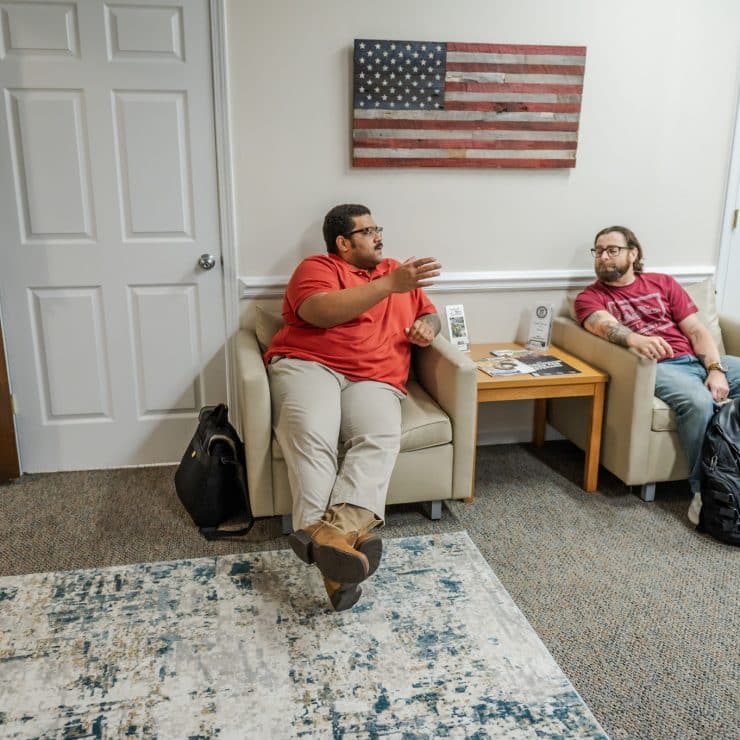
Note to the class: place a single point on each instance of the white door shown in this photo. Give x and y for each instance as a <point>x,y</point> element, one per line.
<point>108,196</point>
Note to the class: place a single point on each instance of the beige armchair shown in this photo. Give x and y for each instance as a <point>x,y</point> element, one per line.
<point>436,460</point>
<point>639,444</point>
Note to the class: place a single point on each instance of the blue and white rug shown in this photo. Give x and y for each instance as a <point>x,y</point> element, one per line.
<point>246,646</point>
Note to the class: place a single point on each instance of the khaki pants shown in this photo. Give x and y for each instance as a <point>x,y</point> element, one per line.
<point>315,411</point>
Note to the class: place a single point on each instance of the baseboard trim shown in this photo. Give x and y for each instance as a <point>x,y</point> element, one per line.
<point>486,282</point>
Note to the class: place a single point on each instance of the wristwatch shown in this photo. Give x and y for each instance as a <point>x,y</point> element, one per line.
<point>717,366</point>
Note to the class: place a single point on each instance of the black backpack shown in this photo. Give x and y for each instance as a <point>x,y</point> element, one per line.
<point>210,480</point>
<point>720,488</point>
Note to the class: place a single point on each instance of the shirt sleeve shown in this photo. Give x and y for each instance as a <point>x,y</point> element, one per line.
<point>425,306</point>
<point>679,300</point>
<point>587,302</point>
<point>313,275</point>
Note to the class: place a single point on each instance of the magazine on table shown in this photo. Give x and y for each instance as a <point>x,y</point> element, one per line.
<point>505,365</point>
<point>540,362</point>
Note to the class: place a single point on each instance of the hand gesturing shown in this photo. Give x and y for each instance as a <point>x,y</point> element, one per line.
<point>414,273</point>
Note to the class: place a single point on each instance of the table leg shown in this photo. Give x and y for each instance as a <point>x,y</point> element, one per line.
<point>471,498</point>
<point>538,427</point>
<point>593,450</point>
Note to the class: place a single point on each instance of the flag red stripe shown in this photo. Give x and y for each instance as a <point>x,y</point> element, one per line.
<point>579,51</point>
<point>461,144</point>
<point>409,123</point>
<point>513,107</point>
<point>461,162</point>
<point>547,69</point>
<point>513,87</point>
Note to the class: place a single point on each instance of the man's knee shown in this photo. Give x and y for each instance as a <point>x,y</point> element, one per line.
<point>702,405</point>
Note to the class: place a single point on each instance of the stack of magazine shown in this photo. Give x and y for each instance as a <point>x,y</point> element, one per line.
<point>523,361</point>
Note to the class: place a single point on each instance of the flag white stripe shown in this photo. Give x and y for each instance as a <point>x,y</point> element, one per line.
<point>493,58</point>
<point>362,153</point>
<point>462,115</point>
<point>502,77</point>
<point>512,97</point>
<point>420,133</point>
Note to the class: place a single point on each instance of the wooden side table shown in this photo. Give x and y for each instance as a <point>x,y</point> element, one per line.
<point>588,382</point>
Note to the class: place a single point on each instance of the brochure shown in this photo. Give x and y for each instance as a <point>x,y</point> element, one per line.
<point>541,363</point>
<point>507,365</point>
<point>458,329</point>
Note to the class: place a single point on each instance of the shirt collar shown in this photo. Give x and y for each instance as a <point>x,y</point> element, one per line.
<point>383,268</point>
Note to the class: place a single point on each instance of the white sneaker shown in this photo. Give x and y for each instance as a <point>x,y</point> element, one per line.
<point>695,509</point>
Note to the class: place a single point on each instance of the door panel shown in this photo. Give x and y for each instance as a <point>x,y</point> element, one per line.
<point>155,203</point>
<point>108,196</point>
<point>144,33</point>
<point>165,321</point>
<point>48,125</point>
<point>71,355</point>
<point>39,28</point>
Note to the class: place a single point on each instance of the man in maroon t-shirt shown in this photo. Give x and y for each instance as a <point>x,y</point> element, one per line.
<point>652,315</point>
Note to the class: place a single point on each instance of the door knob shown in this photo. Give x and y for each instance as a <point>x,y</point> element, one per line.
<point>207,261</point>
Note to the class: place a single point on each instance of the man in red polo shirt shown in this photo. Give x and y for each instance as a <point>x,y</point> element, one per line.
<point>337,372</point>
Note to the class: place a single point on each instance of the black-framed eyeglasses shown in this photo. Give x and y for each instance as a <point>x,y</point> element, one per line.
<point>611,251</point>
<point>367,231</point>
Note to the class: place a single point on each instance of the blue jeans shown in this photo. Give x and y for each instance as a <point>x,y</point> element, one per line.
<point>680,383</point>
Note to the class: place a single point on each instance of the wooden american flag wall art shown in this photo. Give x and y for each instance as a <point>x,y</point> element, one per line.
<point>437,104</point>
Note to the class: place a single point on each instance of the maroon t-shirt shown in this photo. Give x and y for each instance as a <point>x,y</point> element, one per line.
<point>653,305</point>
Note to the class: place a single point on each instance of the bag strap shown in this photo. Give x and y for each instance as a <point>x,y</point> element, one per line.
<point>216,437</point>
<point>214,533</point>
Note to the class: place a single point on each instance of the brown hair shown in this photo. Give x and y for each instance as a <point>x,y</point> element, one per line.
<point>631,240</point>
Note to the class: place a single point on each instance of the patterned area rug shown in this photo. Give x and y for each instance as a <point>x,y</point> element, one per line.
<point>246,646</point>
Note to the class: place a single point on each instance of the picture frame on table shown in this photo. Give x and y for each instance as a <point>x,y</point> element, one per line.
<point>540,327</point>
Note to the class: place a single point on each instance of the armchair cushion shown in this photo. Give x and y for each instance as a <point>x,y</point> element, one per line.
<point>267,325</point>
<point>703,295</point>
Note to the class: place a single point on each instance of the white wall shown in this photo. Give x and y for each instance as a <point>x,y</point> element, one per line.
<point>656,125</point>
<point>659,96</point>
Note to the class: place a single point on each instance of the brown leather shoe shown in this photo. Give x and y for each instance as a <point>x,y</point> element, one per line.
<point>333,552</point>
<point>342,595</point>
<point>370,545</point>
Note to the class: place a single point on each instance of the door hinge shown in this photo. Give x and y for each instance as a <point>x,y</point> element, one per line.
<point>13,405</point>
<point>734,218</point>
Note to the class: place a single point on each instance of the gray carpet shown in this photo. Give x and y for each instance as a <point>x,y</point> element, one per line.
<point>640,611</point>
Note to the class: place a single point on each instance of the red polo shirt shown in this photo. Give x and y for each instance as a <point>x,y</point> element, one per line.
<point>373,346</point>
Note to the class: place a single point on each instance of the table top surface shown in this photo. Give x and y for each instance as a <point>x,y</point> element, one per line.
<point>586,373</point>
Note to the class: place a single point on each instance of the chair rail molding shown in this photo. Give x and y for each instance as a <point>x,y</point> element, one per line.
<point>486,282</point>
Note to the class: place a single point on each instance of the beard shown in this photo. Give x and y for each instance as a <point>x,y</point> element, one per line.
<point>610,274</point>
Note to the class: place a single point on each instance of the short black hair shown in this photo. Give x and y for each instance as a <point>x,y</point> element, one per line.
<point>631,239</point>
<point>339,222</point>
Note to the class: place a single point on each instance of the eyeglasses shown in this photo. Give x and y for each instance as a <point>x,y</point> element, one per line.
<point>368,231</point>
<point>611,251</point>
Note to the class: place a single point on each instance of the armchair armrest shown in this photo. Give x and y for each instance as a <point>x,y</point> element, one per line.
<point>449,377</point>
<point>256,421</point>
<point>629,396</point>
<point>730,326</point>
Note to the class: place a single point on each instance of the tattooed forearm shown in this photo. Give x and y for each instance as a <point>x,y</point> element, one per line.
<point>617,333</point>
<point>433,320</point>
